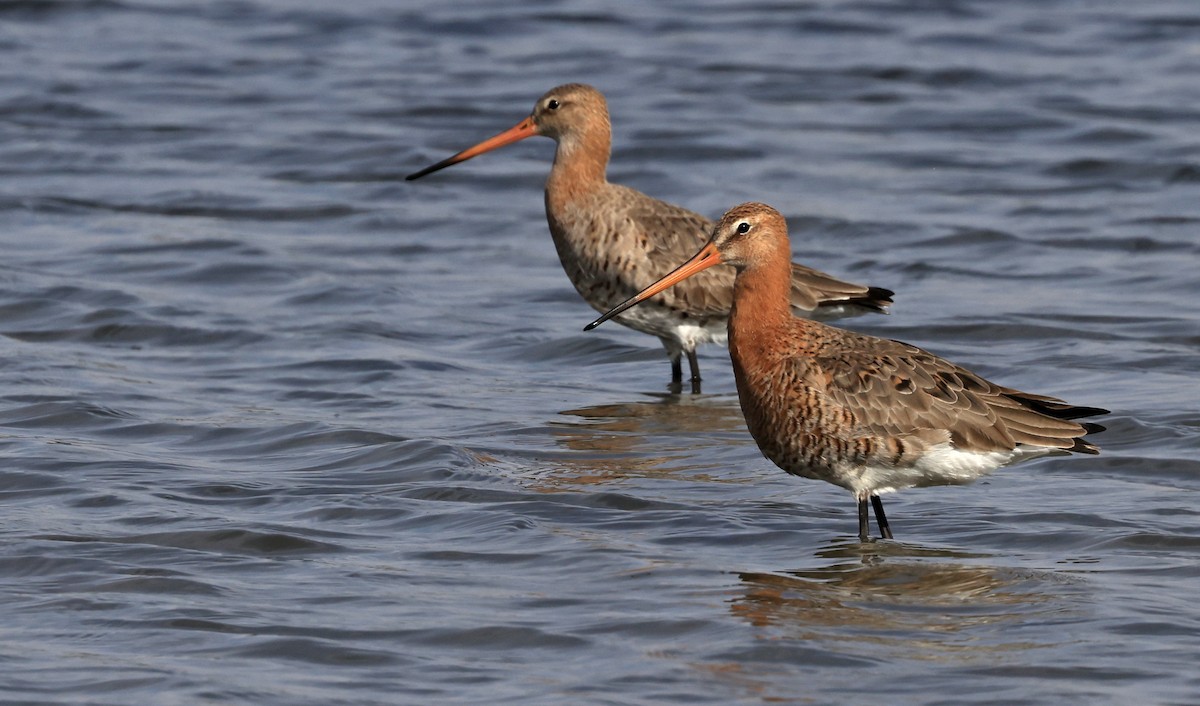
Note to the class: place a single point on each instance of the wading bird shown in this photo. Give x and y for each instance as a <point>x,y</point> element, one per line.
<point>613,240</point>
<point>867,414</point>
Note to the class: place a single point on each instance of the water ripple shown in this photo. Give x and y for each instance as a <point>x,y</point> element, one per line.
<point>279,427</point>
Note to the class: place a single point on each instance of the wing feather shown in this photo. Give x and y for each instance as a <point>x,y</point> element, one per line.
<point>894,390</point>
<point>674,234</point>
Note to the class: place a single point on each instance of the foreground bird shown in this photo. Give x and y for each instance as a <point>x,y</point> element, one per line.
<point>613,240</point>
<point>867,414</point>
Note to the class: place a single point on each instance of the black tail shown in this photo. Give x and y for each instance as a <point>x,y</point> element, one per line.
<point>1054,407</point>
<point>875,299</point>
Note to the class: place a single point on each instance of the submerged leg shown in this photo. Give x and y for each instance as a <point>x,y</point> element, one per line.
<point>694,364</point>
<point>675,353</point>
<point>864,517</point>
<point>676,385</point>
<point>881,519</point>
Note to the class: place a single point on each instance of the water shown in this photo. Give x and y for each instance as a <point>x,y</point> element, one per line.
<point>278,427</point>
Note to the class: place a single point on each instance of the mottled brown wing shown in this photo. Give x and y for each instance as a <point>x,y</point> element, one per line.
<point>676,234</point>
<point>813,289</point>
<point>895,389</point>
<point>673,236</point>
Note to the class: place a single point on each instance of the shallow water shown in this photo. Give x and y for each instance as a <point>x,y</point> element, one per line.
<point>278,427</point>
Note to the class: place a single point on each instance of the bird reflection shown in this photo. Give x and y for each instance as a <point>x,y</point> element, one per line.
<point>895,600</point>
<point>662,435</point>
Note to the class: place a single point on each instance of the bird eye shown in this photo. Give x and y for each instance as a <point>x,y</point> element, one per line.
<point>552,104</point>
<point>743,227</point>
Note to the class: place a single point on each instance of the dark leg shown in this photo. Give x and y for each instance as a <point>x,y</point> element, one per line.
<point>676,385</point>
<point>880,518</point>
<point>694,364</point>
<point>864,517</point>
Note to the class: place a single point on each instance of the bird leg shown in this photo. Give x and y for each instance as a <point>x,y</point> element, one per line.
<point>676,385</point>
<point>880,519</point>
<point>694,364</point>
<point>864,519</point>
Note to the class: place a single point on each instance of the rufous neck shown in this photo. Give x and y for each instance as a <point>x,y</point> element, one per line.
<point>580,162</point>
<point>761,301</point>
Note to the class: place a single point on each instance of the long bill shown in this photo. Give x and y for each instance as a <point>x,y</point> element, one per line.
<point>706,258</point>
<point>516,133</point>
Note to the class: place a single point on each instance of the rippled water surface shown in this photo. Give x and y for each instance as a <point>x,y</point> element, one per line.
<point>279,427</point>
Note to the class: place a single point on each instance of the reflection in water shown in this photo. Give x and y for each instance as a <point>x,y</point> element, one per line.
<point>654,438</point>
<point>703,414</point>
<point>888,600</point>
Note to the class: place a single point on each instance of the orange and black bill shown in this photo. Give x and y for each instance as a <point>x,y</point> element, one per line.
<point>706,258</point>
<point>516,133</point>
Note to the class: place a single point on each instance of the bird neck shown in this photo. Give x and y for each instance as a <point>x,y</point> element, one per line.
<point>761,312</point>
<point>580,165</point>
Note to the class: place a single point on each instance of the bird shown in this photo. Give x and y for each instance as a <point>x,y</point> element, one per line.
<point>867,414</point>
<point>613,240</point>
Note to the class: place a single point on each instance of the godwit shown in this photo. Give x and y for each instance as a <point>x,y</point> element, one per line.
<point>613,240</point>
<point>866,414</point>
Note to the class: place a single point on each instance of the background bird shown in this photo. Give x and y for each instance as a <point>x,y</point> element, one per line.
<point>613,240</point>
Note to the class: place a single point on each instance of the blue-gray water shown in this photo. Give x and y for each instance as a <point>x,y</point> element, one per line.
<point>277,427</point>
